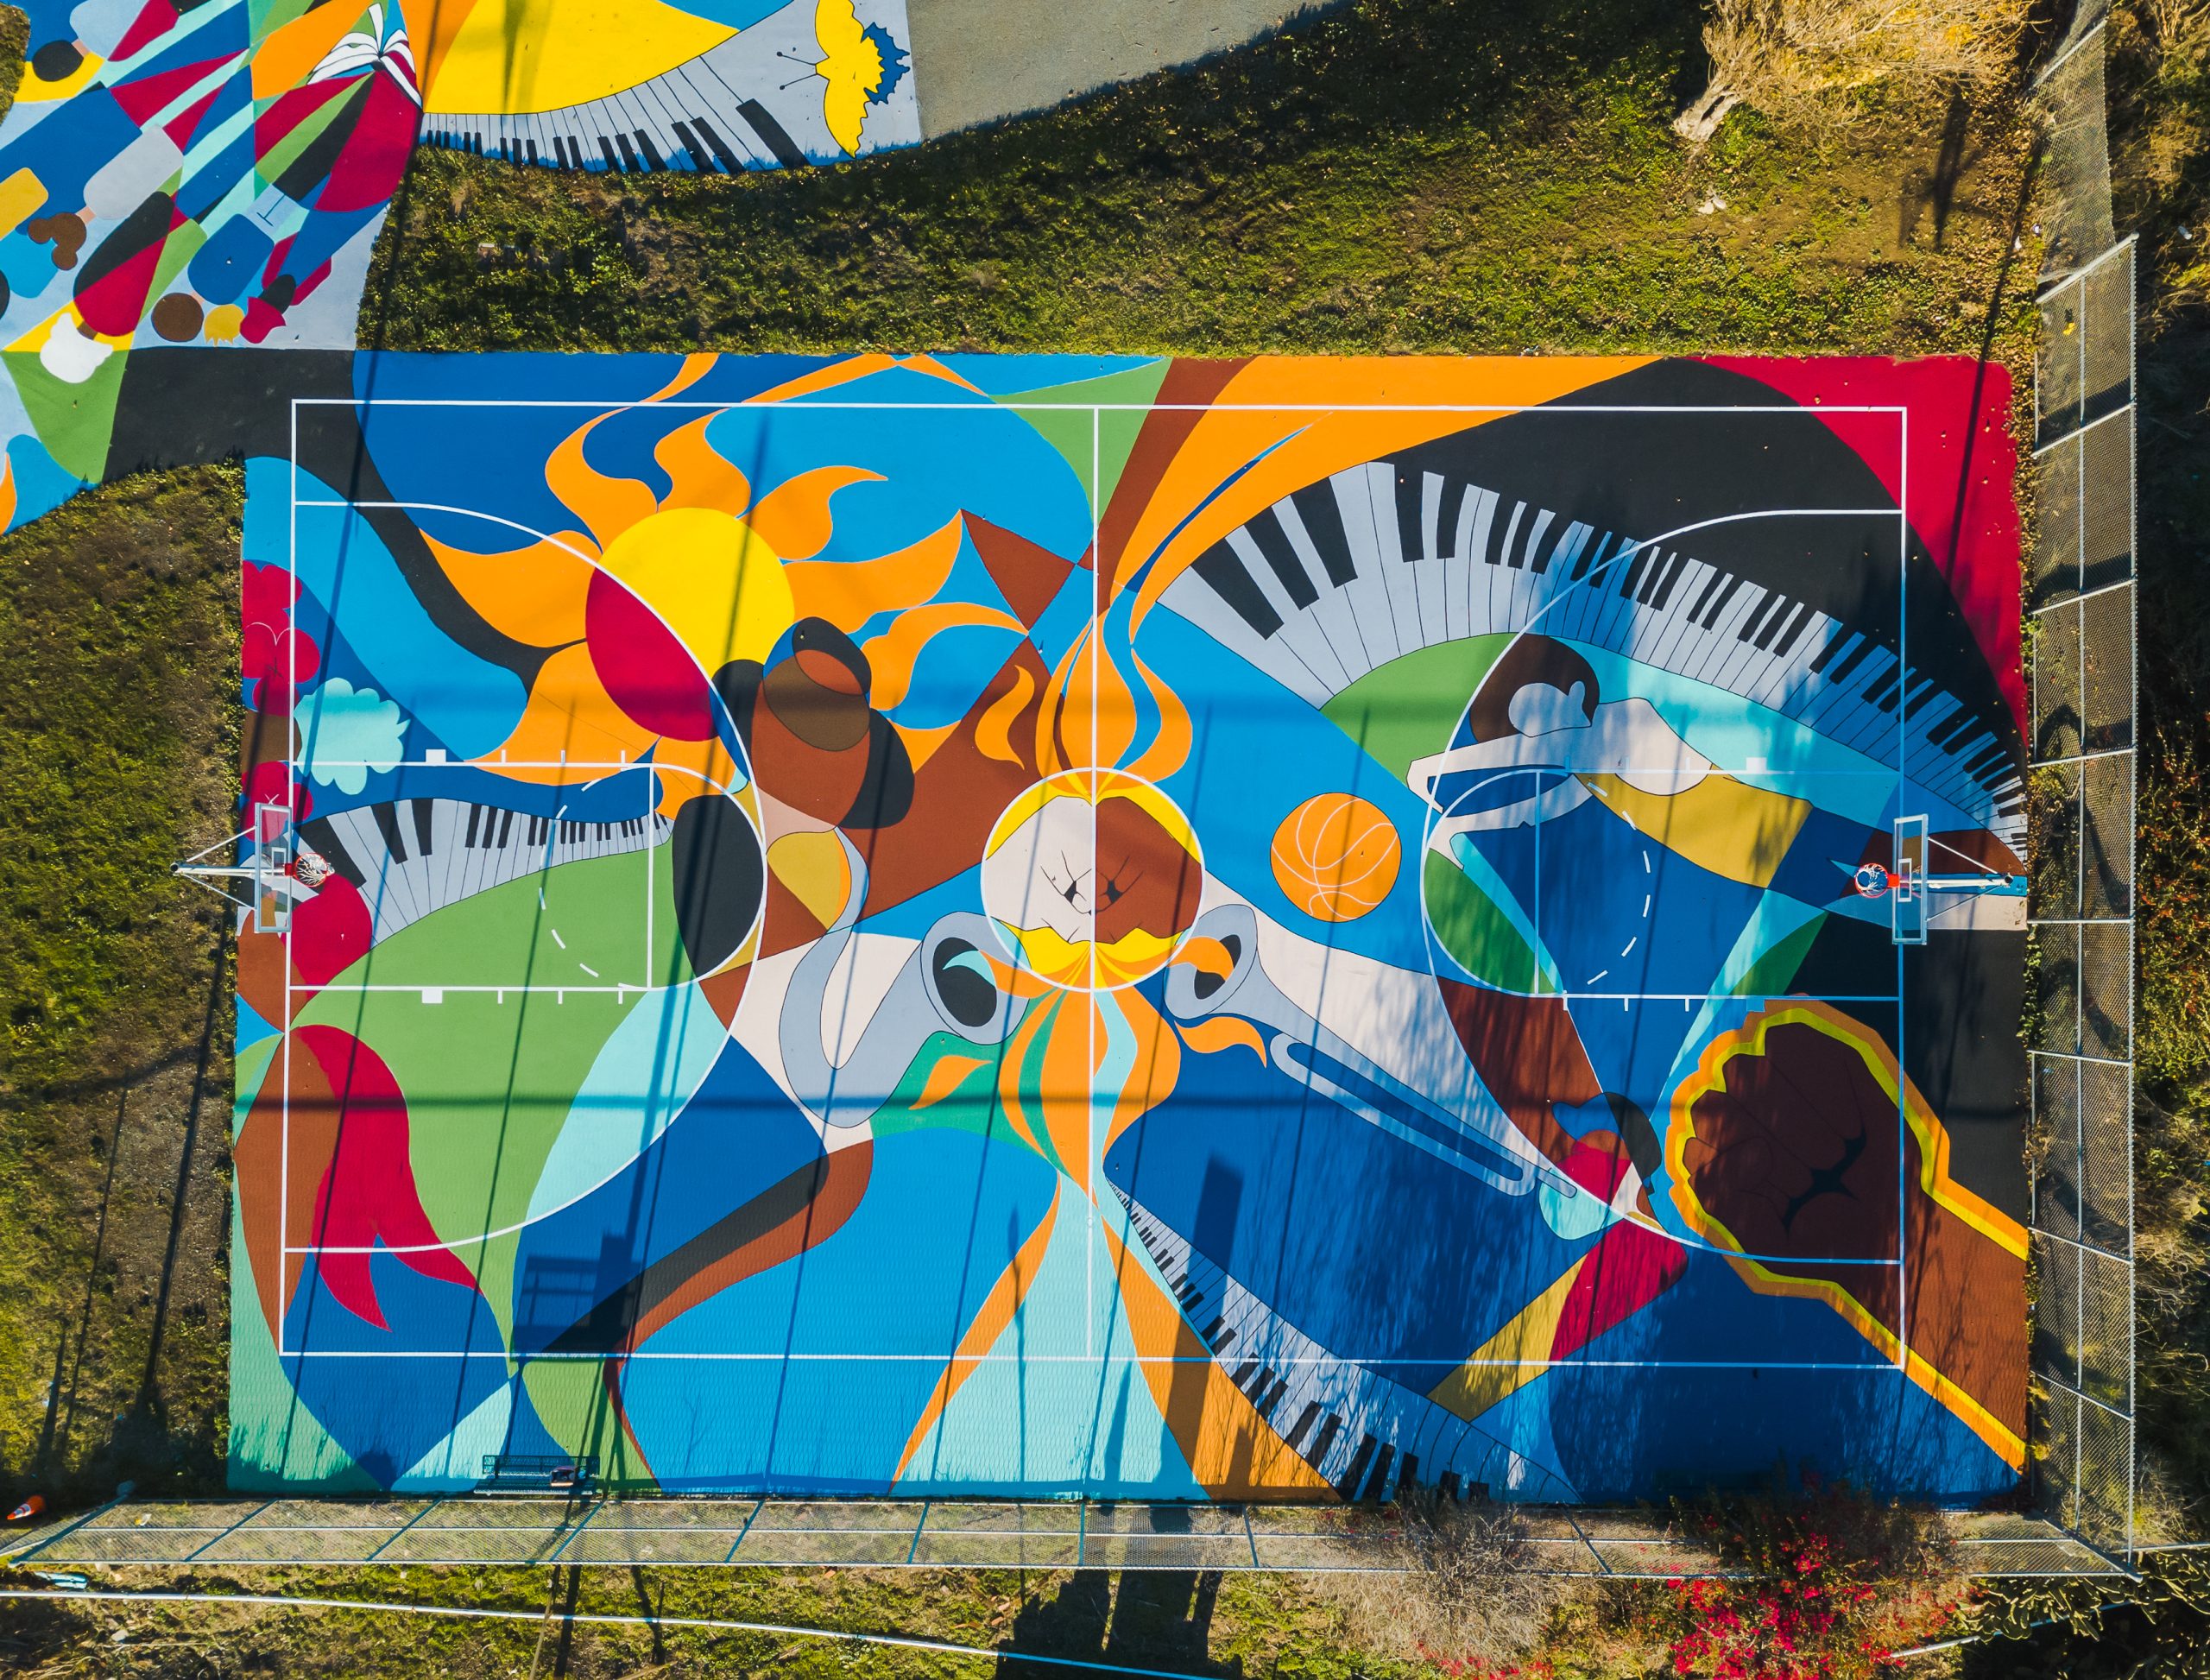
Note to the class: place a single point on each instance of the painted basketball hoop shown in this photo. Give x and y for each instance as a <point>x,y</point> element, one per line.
<point>1873,879</point>
<point>264,867</point>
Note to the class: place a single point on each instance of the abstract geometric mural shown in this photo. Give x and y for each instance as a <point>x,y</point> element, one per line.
<point>1132,926</point>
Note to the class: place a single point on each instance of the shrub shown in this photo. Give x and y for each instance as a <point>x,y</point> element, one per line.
<point>1805,62</point>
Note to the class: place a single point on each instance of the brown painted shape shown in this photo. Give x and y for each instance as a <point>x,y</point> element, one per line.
<point>269,1209</point>
<point>1165,431</point>
<point>1147,881</point>
<point>1028,575</point>
<point>1528,1053</point>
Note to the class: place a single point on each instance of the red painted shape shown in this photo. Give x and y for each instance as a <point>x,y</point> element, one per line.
<point>1630,1267</point>
<point>1961,462</point>
<point>368,1192</point>
<point>648,672</point>
<point>331,932</point>
<point>146,97</point>
<point>369,166</point>
<point>115,302</point>
<point>156,21</point>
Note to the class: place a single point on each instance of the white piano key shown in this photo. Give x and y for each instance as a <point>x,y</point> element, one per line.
<point>1298,630</point>
<point>1368,590</point>
<point>1476,518</point>
<point>1396,567</point>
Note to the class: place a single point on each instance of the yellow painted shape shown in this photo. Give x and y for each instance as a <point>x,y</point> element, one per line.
<point>713,580</point>
<point>20,194</point>
<point>32,91</point>
<point>535,55</point>
<point>812,867</point>
<point>1511,1359</point>
<point>1720,824</point>
<point>851,65</point>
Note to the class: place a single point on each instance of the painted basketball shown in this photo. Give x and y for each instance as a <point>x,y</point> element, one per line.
<point>1335,856</point>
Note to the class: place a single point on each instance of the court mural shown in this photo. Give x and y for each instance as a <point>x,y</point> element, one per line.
<point>1186,929</point>
<point>216,174</point>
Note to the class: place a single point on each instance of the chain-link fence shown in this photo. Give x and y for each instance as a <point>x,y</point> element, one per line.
<point>1630,1545</point>
<point>2081,605</point>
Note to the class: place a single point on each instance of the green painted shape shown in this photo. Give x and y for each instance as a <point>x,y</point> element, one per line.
<point>1773,973</point>
<point>1409,708</point>
<point>177,250</point>
<point>1095,442</point>
<point>275,1442</point>
<point>1475,930</point>
<point>969,1105</point>
<point>571,1402</point>
<point>249,1068</point>
<point>74,421</point>
<point>489,1082</point>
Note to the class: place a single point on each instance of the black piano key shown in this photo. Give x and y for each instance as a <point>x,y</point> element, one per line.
<point>533,151</point>
<point>1303,1423</point>
<point>1780,621</point>
<point>1660,570</point>
<point>475,817</point>
<point>1790,638</point>
<point>606,147</point>
<point>424,810</point>
<point>320,834</point>
<point>1248,1369</point>
<point>1221,567</point>
<point>1891,690</point>
<point>1591,558</point>
<point>1449,506</point>
<point>1412,539</point>
<point>1761,617</point>
<point>1981,764</point>
<point>1712,585</point>
<point>1377,1486</point>
<point>1950,733</point>
<point>1447,1485</point>
<point>1407,1473</point>
<point>785,148</point>
<point>1329,1430</point>
<point>628,153</point>
<point>653,159</point>
<point>1709,616</point>
<point>1347,1488</point>
<point>1838,655</point>
<point>1323,523</point>
<point>700,157</point>
<point>1266,530</point>
<point>1631,575</point>
<point>387,823</point>
<point>723,156</point>
<point>1676,568</point>
<point>1219,1338</point>
<point>506,827</point>
<point>1272,1397</point>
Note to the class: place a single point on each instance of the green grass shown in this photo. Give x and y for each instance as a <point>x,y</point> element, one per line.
<point>118,634</point>
<point>1401,176</point>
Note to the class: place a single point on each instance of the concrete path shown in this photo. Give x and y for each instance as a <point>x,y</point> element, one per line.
<point>979,61</point>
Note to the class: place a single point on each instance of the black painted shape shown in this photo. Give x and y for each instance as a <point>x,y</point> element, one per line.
<point>777,136</point>
<point>719,877</point>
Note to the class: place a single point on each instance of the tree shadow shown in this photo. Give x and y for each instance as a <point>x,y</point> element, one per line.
<point>1156,1618</point>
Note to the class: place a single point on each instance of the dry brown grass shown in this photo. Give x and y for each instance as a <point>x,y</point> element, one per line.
<point>1802,63</point>
<point>1461,1587</point>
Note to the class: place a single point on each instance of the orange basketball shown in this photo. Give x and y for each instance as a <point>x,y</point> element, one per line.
<point>1335,856</point>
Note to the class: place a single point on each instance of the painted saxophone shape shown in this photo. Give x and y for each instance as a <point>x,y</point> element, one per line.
<point>944,986</point>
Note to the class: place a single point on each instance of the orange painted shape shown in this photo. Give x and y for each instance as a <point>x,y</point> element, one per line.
<point>1293,420</point>
<point>1230,1450</point>
<point>850,592</point>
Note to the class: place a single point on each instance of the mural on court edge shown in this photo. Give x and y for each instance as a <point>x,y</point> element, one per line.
<point>216,173</point>
<point>1165,928</point>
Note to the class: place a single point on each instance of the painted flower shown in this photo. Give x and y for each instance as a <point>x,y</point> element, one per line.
<point>346,733</point>
<point>274,654</point>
